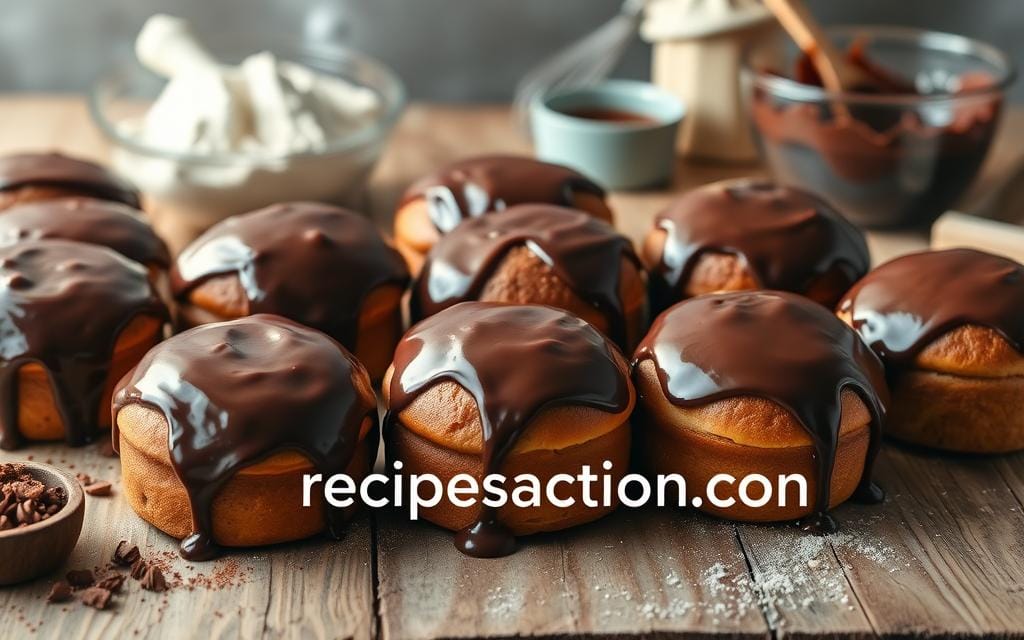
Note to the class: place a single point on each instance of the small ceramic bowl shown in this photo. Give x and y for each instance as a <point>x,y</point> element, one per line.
<point>39,548</point>
<point>621,133</point>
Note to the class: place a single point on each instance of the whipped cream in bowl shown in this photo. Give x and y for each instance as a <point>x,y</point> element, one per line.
<point>209,130</point>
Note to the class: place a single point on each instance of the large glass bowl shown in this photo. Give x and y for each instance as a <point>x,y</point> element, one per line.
<point>203,188</point>
<point>885,160</point>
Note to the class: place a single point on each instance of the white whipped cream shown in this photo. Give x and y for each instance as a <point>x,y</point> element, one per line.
<point>686,19</point>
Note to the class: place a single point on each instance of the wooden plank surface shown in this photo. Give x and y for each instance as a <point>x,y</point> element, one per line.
<point>943,556</point>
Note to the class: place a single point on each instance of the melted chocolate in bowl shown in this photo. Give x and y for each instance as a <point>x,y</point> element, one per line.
<point>63,306</point>
<point>787,238</point>
<point>516,361</point>
<point>236,393</point>
<point>904,305</point>
<point>56,170</point>
<point>777,346</point>
<point>476,186</point>
<point>311,262</point>
<point>110,224</point>
<point>583,252</point>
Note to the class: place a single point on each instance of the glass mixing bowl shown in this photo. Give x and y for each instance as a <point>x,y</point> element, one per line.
<point>202,188</point>
<point>885,160</point>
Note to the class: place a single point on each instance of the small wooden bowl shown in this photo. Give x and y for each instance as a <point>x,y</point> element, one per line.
<point>39,548</point>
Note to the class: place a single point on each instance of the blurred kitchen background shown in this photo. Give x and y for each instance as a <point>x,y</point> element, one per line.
<point>445,50</point>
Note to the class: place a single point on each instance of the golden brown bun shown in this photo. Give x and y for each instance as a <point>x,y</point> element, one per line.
<point>522,277</point>
<point>742,436</point>
<point>261,504</point>
<point>440,433</point>
<point>38,416</point>
<point>35,193</point>
<point>716,272</point>
<point>415,233</point>
<point>223,298</point>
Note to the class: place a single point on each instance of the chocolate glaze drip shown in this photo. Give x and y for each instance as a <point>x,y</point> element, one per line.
<point>236,393</point>
<point>63,306</point>
<point>905,304</point>
<point>311,262</point>
<point>110,224</point>
<point>470,188</point>
<point>778,346</point>
<point>56,170</point>
<point>516,361</point>
<point>584,252</point>
<point>786,237</point>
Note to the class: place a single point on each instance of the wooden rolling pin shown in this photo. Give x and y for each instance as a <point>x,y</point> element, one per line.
<point>955,229</point>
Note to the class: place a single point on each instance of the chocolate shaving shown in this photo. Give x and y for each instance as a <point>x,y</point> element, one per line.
<point>138,569</point>
<point>59,592</point>
<point>125,555</point>
<point>153,579</point>
<point>96,597</point>
<point>100,488</point>
<point>111,583</point>
<point>80,578</point>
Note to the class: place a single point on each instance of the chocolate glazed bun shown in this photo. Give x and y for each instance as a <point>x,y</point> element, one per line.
<point>437,203</point>
<point>752,234</point>
<point>483,388</point>
<point>949,326</point>
<point>29,177</point>
<point>761,382</point>
<point>217,426</point>
<point>541,254</point>
<point>75,317</point>
<point>101,222</point>
<point>317,264</point>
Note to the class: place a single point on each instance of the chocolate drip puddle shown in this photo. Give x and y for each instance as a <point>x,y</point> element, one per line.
<point>583,252</point>
<point>905,304</point>
<point>473,187</point>
<point>310,262</point>
<point>236,393</point>
<point>780,347</point>
<point>63,305</point>
<point>516,361</point>
<point>787,238</point>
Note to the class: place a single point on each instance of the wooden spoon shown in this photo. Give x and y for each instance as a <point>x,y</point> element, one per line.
<point>837,73</point>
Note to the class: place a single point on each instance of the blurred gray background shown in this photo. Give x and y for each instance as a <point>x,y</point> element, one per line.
<point>446,50</point>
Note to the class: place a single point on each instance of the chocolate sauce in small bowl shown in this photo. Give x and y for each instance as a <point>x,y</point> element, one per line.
<point>57,170</point>
<point>584,252</point>
<point>516,361</point>
<point>786,237</point>
<point>236,393</point>
<point>311,262</point>
<point>103,222</point>
<point>781,347</point>
<point>905,304</point>
<point>63,305</point>
<point>610,115</point>
<point>475,186</point>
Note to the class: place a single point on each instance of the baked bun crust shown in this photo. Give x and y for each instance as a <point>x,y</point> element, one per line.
<point>742,436</point>
<point>261,504</point>
<point>440,432</point>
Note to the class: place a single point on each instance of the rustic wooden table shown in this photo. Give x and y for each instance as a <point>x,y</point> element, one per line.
<point>943,556</point>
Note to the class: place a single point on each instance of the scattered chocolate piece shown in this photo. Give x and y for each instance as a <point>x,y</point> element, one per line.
<point>111,583</point>
<point>107,449</point>
<point>83,478</point>
<point>138,569</point>
<point>98,488</point>
<point>153,579</point>
<point>59,592</point>
<point>126,555</point>
<point>96,597</point>
<point>80,578</point>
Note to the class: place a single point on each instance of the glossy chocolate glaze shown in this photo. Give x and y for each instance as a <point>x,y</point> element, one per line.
<point>470,188</point>
<point>584,252</point>
<point>106,223</point>
<point>905,304</point>
<point>236,393</point>
<point>786,237</point>
<point>63,305</point>
<point>313,263</point>
<point>781,347</point>
<point>57,170</point>
<point>516,361</point>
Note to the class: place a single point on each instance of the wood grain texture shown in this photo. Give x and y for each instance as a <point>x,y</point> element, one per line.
<point>943,555</point>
